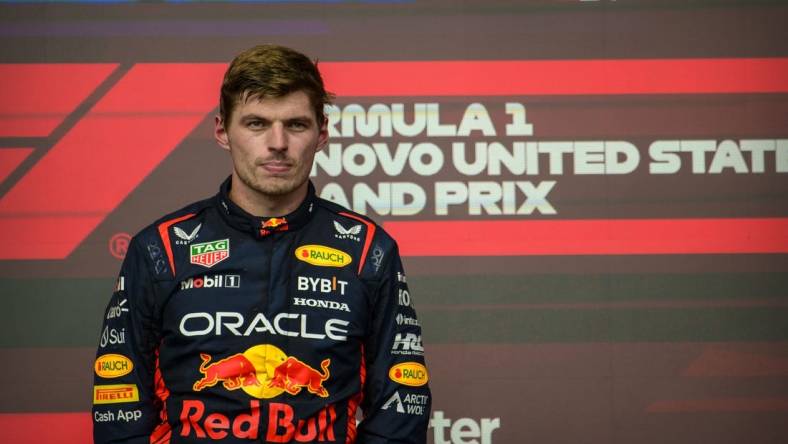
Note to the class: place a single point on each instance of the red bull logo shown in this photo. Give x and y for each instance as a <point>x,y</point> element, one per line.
<point>233,372</point>
<point>293,375</point>
<point>272,225</point>
<point>274,222</point>
<point>282,424</point>
<point>263,371</point>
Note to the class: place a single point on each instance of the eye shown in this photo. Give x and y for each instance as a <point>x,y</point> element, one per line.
<point>254,124</point>
<point>298,125</point>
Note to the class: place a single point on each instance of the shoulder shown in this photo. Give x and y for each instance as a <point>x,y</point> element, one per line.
<point>349,220</point>
<point>377,246</point>
<point>154,241</point>
<point>192,211</point>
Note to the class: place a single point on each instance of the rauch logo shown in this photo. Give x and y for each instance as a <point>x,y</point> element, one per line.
<point>322,256</point>
<point>409,373</point>
<point>113,366</point>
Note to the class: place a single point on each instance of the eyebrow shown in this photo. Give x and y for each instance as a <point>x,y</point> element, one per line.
<point>253,116</point>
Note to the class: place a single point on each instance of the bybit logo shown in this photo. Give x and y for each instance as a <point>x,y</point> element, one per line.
<point>321,285</point>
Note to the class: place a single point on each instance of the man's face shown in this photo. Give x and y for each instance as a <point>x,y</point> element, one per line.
<point>272,142</point>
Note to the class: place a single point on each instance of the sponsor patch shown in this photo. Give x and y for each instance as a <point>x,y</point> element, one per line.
<point>212,281</point>
<point>120,284</point>
<point>403,297</point>
<point>120,416</point>
<point>113,366</point>
<point>115,393</point>
<point>283,423</point>
<point>321,285</point>
<point>322,256</point>
<point>409,373</point>
<point>156,257</point>
<point>409,344</point>
<point>377,257</point>
<point>111,336</point>
<point>349,233</point>
<point>407,320</point>
<point>285,324</point>
<point>208,254</point>
<point>186,237</point>
<point>274,222</point>
<point>412,404</point>
<point>273,225</point>
<point>319,303</point>
<point>117,310</point>
<point>263,371</point>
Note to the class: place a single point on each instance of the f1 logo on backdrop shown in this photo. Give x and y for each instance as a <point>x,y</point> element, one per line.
<point>76,181</point>
<point>102,157</point>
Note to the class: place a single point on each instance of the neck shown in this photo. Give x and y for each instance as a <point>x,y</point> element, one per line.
<point>265,205</point>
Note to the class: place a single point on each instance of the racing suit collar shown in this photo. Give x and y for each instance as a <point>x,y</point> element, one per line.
<point>262,227</point>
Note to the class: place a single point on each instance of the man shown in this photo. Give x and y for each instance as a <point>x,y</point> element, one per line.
<point>262,314</point>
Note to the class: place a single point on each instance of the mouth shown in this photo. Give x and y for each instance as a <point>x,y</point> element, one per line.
<point>277,167</point>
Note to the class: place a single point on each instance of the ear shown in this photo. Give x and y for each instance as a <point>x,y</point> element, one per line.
<point>220,133</point>
<point>322,136</point>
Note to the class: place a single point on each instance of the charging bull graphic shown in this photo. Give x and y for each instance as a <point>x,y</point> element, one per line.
<point>234,372</point>
<point>263,371</point>
<point>293,375</point>
<point>272,225</point>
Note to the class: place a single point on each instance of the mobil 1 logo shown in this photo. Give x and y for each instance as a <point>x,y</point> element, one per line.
<point>212,281</point>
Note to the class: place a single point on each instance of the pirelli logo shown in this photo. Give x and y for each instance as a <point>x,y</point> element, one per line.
<point>115,393</point>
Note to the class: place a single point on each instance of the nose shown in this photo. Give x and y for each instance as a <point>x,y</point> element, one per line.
<point>277,137</point>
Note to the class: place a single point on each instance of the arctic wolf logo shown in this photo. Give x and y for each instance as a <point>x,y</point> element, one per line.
<point>350,233</point>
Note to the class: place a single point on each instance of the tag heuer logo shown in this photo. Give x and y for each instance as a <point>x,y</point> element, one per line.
<point>211,253</point>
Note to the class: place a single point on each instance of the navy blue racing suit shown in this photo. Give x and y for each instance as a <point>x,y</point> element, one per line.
<point>232,328</point>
